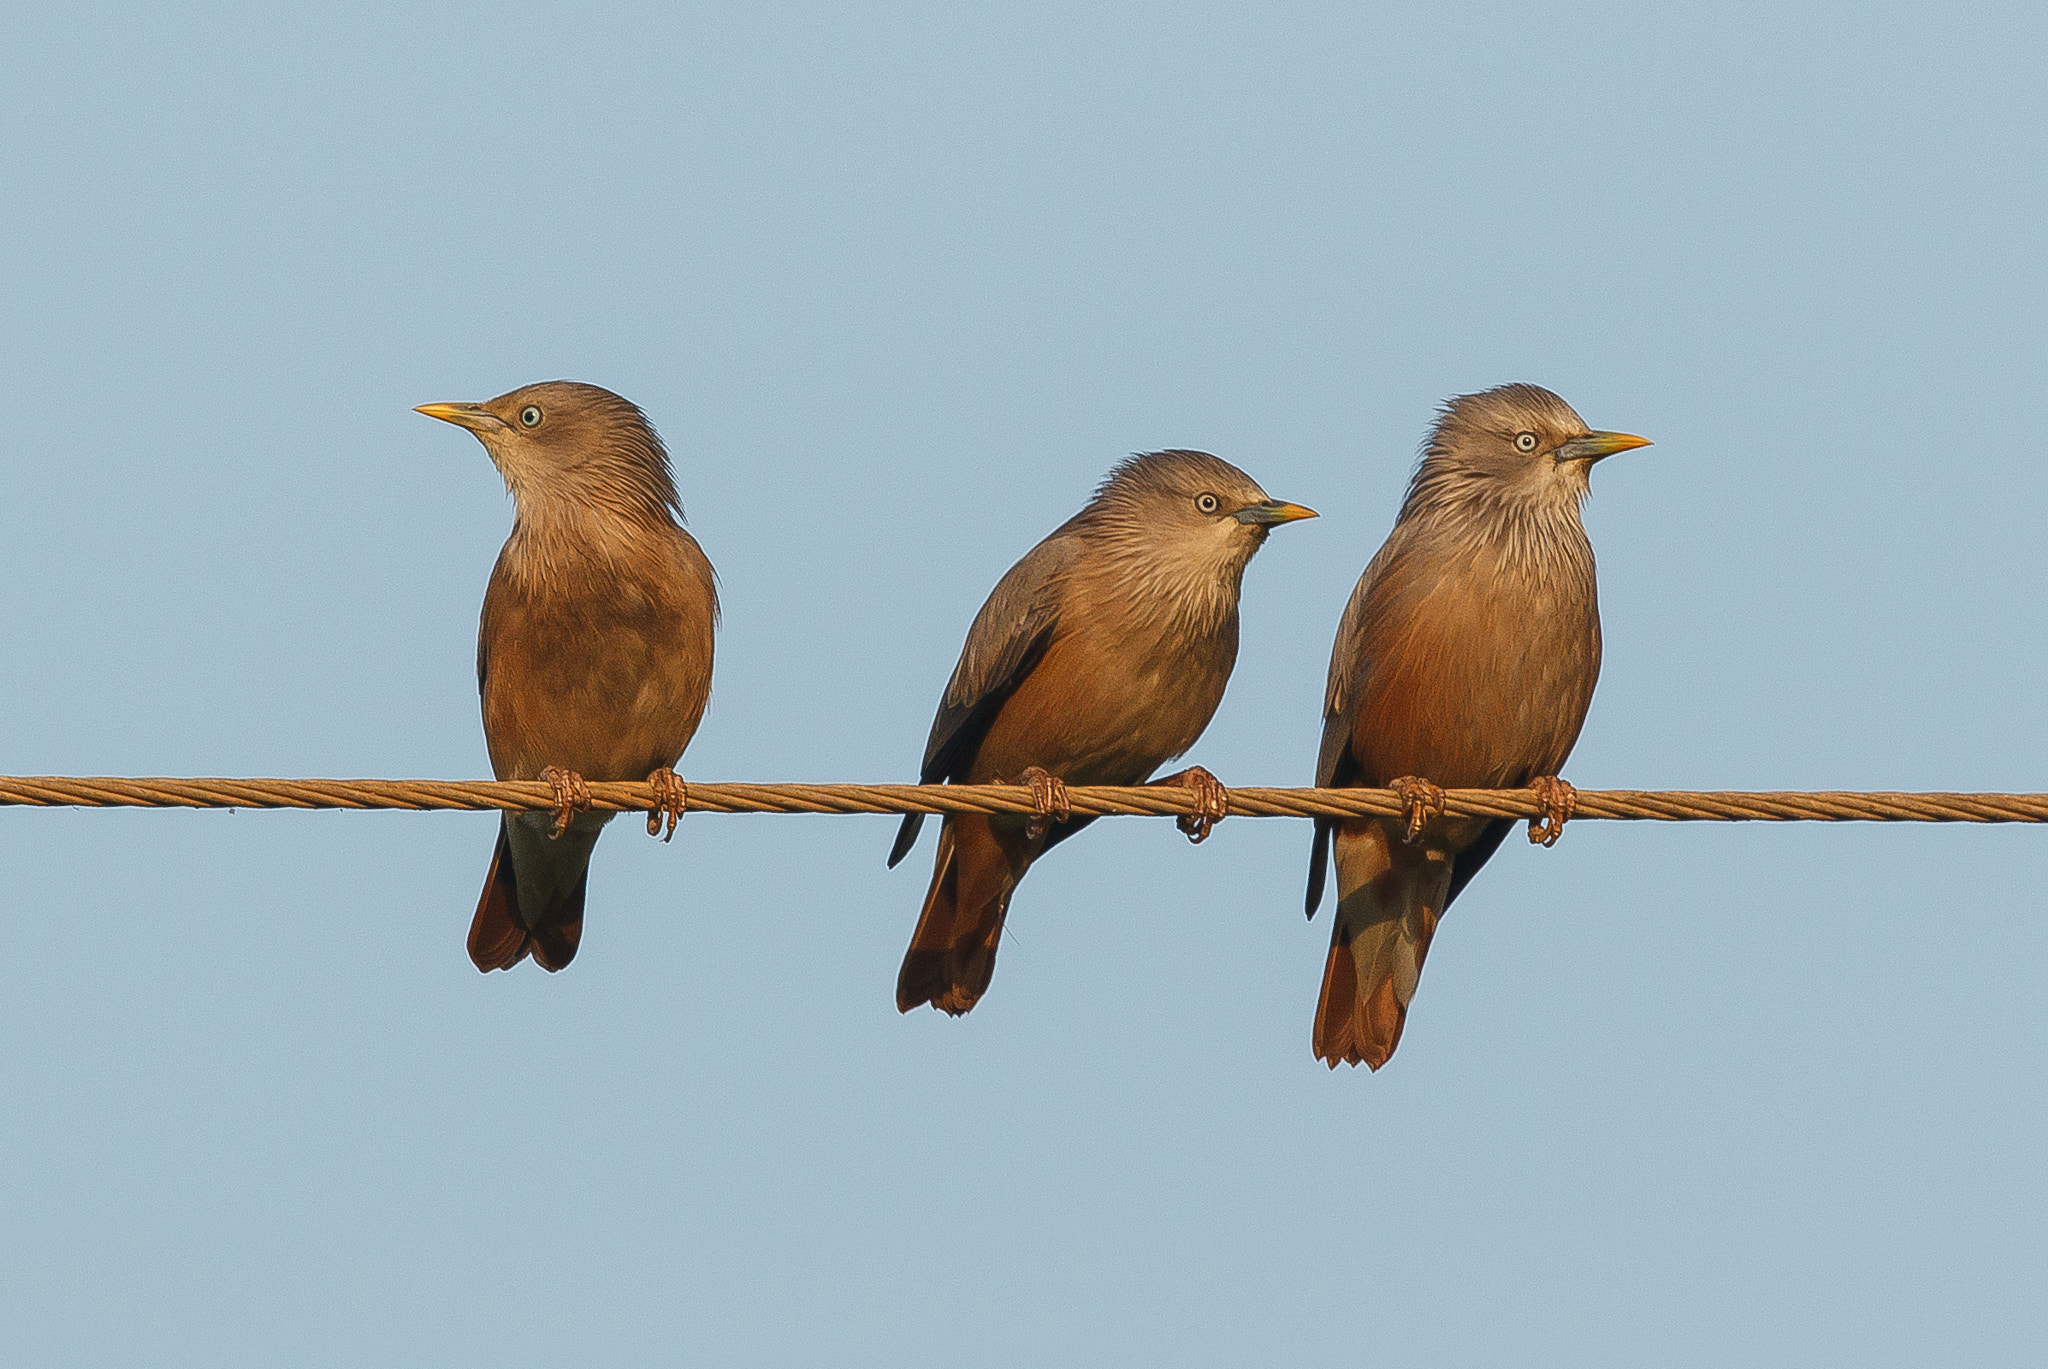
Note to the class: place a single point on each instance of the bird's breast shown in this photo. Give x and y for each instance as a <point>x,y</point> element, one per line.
<point>1477,672</point>
<point>605,672</point>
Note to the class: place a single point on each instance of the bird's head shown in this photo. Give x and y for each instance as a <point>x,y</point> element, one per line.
<point>1201,505</point>
<point>1517,443</point>
<point>565,443</point>
<point>1186,520</point>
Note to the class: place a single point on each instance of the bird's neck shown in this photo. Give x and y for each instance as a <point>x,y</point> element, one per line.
<point>561,544</point>
<point>1536,530</point>
<point>1162,585</point>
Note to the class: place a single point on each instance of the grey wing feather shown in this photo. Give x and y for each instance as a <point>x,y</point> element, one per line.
<point>1343,673</point>
<point>1331,756</point>
<point>1009,635</point>
<point>1008,638</point>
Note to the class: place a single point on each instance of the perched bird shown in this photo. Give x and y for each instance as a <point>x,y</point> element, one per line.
<point>594,652</point>
<point>1466,658</point>
<point>1099,657</point>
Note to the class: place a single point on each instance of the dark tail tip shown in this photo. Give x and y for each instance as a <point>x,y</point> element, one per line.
<point>1318,868</point>
<point>497,938</point>
<point>906,837</point>
<point>936,978</point>
<point>554,946</point>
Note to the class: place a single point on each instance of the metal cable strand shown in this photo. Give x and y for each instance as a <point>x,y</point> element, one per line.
<point>1164,801</point>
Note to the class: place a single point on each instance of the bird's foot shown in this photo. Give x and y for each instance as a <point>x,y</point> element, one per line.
<point>1212,802</point>
<point>671,801</point>
<point>572,796</point>
<point>1559,801</point>
<point>1048,800</point>
<point>1420,801</point>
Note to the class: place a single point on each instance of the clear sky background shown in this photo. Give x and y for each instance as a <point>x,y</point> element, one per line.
<point>898,284</point>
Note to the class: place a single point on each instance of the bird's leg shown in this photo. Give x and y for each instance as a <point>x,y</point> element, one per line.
<point>1212,802</point>
<point>1559,801</point>
<point>671,801</point>
<point>572,796</point>
<point>1420,801</point>
<point>1048,799</point>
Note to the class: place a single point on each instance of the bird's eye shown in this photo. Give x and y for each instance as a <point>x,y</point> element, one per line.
<point>1525,442</point>
<point>530,415</point>
<point>1208,503</point>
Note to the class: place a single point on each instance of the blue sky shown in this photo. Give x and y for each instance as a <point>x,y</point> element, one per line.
<point>898,284</point>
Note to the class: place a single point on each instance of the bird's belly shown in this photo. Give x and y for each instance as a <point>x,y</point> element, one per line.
<point>612,703</point>
<point>1103,713</point>
<point>1482,704</point>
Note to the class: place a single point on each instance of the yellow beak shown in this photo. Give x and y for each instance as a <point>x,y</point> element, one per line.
<point>474,417</point>
<point>1593,446</point>
<point>1273,512</point>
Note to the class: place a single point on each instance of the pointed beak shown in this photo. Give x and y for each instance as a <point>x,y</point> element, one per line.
<point>1593,446</point>
<point>1272,513</point>
<point>474,417</point>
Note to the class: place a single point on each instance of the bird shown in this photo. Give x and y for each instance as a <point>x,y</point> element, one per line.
<point>1466,658</point>
<point>594,648</point>
<point>1098,657</point>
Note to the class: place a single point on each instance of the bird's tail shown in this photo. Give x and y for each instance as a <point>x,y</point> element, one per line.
<point>952,954</point>
<point>1389,899</point>
<point>499,936</point>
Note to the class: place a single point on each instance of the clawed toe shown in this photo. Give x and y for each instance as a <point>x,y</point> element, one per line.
<point>1048,800</point>
<point>1212,802</point>
<point>572,796</point>
<point>1559,802</point>
<point>671,801</point>
<point>1420,801</point>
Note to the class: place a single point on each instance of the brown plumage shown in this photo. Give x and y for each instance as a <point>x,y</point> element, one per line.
<point>1099,657</point>
<point>1466,657</point>
<point>594,649</point>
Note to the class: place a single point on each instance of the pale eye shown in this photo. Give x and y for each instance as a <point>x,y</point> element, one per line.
<point>1208,503</point>
<point>530,415</point>
<point>1525,442</point>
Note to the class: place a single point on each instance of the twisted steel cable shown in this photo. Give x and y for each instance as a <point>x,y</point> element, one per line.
<point>1637,805</point>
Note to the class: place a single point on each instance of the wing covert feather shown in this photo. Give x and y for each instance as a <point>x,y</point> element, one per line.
<point>1334,764</point>
<point>1345,667</point>
<point>1009,635</point>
